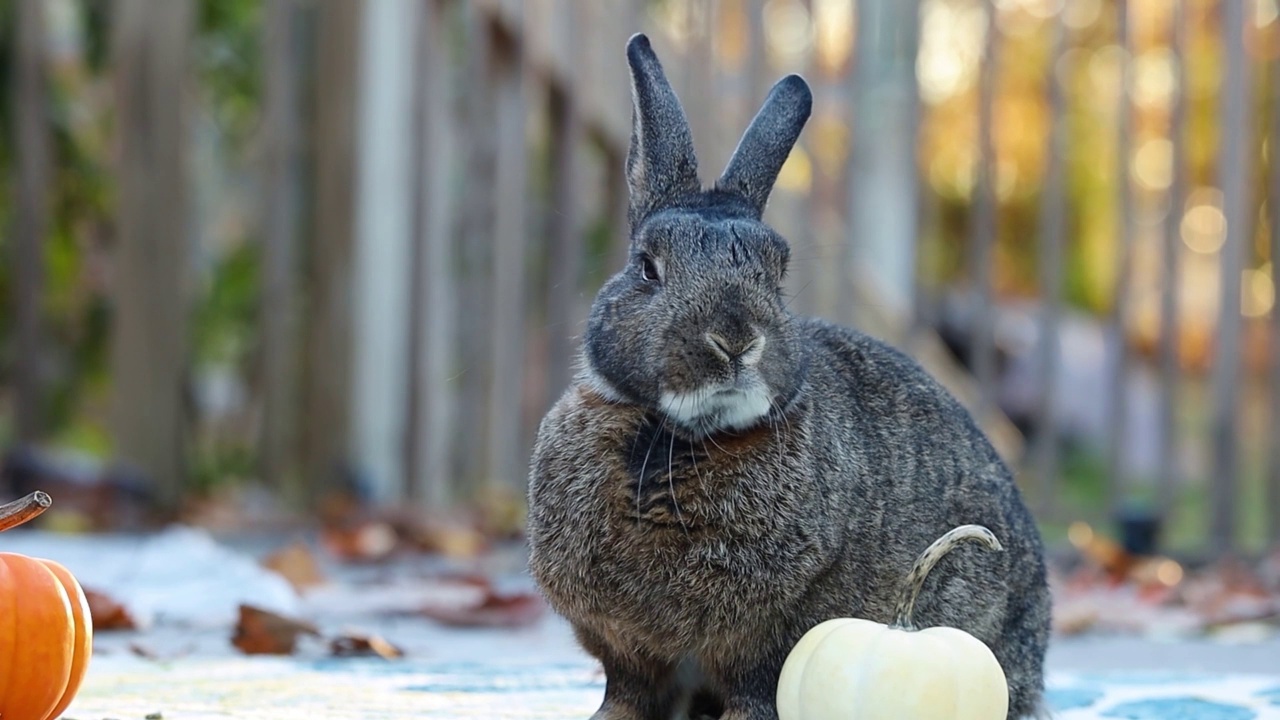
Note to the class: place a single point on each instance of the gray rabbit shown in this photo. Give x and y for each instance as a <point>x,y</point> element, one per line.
<point>723,475</point>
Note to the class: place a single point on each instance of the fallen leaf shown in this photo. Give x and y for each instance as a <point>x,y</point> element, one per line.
<point>143,651</point>
<point>296,564</point>
<point>451,539</point>
<point>475,580</point>
<point>355,645</point>
<point>494,610</point>
<point>262,632</point>
<point>106,613</point>
<point>362,543</point>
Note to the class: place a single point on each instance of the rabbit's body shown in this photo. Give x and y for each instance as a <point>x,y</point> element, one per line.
<point>723,476</point>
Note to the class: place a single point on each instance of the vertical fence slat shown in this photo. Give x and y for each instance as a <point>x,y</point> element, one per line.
<point>1234,173</point>
<point>281,206</point>
<point>149,349</point>
<point>327,379</point>
<point>757,70</point>
<point>475,251</point>
<point>985,225</point>
<point>1273,220</point>
<point>1167,448</point>
<point>1117,337</point>
<point>565,231</point>
<point>433,291</point>
<point>618,197</point>
<point>506,386</point>
<point>1052,232</point>
<point>32,148</point>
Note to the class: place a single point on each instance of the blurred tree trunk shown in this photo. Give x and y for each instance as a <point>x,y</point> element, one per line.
<point>884,202</point>
<point>32,146</point>
<point>1052,232</point>
<point>1235,172</point>
<point>1167,450</point>
<point>506,451</point>
<point>151,274</point>
<point>1273,219</point>
<point>283,135</point>
<point>327,372</point>
<point>1117,330</point>
<point>432,307</point>
<point>698,94</point>
<point>985,228</point>
<point>757,54</point>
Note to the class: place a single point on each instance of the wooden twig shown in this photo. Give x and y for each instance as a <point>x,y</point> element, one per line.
<point>24,509</point>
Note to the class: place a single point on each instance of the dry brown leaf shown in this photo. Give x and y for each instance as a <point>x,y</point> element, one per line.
<point>354,645</point>
<point>451,539</point>
<point>143,651</point>
<point>262,632</point>
<point>296,564</point>
<point>107,614</point>
<point>495,610</point>
<point>363,542</point>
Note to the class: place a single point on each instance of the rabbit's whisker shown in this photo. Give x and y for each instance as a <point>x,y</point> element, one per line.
<point>640,480</point>
<point>708,436</point>
<point>671,483</point>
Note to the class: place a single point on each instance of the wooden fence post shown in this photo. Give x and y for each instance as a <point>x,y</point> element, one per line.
<point>1052,232</point>
<point>433,308</point>
<point>1237,205</point>
<point>565,227</point>
<point>327,373</point>
<point>506,457</point>
<point>1273,219</point>
<point>32,150</point>
<point>1117,395</point>
<point>985,227</point>
<point>283,136</point>
<point>151,273</point>
<point>1167,448</point>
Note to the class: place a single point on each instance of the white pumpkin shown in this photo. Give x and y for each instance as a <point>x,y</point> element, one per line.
<point>851,669</point>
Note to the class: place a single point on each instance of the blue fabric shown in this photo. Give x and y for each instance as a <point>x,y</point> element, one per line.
<point>508,688</point>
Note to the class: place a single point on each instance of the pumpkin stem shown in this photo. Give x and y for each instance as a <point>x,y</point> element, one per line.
<point>929,558</point>
<point>23,509</point>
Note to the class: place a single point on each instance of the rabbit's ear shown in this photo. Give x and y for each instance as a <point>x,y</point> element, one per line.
<point>754,167</point>
<point>661,166</point>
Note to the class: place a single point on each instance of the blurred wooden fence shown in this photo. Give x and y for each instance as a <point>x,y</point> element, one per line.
<point>442,192</point>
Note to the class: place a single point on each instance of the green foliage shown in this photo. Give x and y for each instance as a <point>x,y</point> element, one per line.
<point>226,316</point>
<point>230,62</point>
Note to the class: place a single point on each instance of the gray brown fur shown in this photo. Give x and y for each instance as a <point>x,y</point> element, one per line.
<point>689,555</point>
<point>902,614</point>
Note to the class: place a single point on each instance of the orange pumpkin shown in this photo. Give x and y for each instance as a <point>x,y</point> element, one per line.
<point>46,632</point>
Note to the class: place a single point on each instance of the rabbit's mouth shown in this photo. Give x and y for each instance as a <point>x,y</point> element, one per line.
<point>717,408</point>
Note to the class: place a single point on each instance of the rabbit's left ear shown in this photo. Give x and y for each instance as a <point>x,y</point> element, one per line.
<point>764,147</point>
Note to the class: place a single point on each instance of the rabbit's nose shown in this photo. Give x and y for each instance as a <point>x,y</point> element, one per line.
<point>748,354</point>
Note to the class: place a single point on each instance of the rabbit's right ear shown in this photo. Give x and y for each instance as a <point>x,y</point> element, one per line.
<point>661,166</point>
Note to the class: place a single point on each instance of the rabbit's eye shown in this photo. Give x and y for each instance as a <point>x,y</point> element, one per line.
<point>649,269</point>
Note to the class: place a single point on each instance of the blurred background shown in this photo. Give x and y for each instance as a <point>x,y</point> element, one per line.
<point>268,261</point>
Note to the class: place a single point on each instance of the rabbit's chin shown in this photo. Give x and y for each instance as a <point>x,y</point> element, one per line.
<point>712,409</point>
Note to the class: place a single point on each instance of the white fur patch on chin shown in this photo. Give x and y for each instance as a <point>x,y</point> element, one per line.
<point>718,409</point>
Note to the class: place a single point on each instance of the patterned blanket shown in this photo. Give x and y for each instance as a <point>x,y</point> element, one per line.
<point>289,689</point>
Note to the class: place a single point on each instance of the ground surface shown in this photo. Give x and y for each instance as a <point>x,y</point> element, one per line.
<point>184,588</point>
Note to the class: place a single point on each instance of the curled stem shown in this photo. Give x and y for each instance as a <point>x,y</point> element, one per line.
<point>23,509</point>
<point>929,558</point>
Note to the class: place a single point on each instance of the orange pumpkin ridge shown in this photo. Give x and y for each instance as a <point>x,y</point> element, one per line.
<point>83,635</point>
<point>38,644</point>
